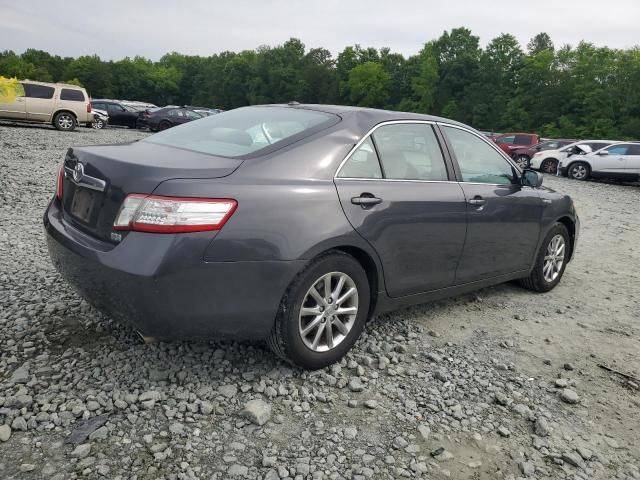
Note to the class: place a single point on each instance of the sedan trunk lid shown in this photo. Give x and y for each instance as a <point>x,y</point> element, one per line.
<point>98,178</point>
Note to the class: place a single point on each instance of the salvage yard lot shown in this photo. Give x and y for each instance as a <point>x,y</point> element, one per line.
<point>506,381</point>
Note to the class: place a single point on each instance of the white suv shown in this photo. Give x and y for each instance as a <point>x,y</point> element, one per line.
<point>620,160</point>
<point>63,106</point>
<point>548,160</point>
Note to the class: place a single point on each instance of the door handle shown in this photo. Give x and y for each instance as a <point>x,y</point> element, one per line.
<point>477,201</point>
<point>366,200</point>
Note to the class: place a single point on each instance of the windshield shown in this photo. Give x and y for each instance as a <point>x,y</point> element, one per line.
<point>245,131</point>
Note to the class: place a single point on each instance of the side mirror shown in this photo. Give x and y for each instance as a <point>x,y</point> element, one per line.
<point>531,178</point>
<point>603,152</point>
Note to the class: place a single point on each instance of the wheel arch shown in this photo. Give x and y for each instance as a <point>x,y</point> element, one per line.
<point>366,258</point>
<point>570,224</point>
<point>63,110</point>
<point>586,162</point>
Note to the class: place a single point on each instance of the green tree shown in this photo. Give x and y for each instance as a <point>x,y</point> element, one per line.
<point>369,85</point>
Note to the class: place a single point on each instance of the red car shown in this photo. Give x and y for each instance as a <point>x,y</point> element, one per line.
<point>509,141</point>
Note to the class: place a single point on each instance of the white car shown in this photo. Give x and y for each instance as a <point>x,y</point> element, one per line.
<point>620,160</point>
<point>548,160</point>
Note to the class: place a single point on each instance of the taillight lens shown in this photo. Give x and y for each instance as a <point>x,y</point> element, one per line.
<point>59,186</point>
<point>154,213</point>
<point>88,108</point>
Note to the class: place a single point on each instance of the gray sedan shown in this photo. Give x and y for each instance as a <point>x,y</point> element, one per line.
<point>297,223</point>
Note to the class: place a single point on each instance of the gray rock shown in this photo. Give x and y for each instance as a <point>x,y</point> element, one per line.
<point>27,467</point>
<point>228,391</point>
<point>99,434</point>
<point>424,431</point>
<point>150,395</point>
<point>504,432</point>
<point>237,470</point>
<point>569,396</point>
<point>541,427</point>
<point>257,411</point>
<point>20,375</point>
<point>572,458</point>
<point>19,423</point>
<point>372,404</point>
<point>350,433</point>
<point>5,433</point>
<point>399,443</point>
<point>355,385</point>
<point>528,469</point>
<point>81,451</point>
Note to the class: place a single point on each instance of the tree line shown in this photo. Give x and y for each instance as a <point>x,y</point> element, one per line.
<point>574,92</point>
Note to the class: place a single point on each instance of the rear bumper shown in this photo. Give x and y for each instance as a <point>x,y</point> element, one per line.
<point>164,289</point>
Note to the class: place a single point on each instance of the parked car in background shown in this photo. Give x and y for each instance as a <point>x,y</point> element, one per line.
<point>508,141</point>
<point>620,161</point>
<point>547,161</point>
<point>137,106</point>
<point>119,114</point>
<point>61,105</point>
<point>101,119</point>
<point>522,155</point>
<point>267,222</point>
<point>168,117</point>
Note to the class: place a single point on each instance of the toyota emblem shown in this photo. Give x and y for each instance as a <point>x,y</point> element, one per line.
<point>78,172</point>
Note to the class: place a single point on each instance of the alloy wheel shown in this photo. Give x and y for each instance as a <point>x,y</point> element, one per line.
<point>65,121</point>
<point>98,124</point>
<point>554,258</point>
<point>328,311</point>
<point>549,166</point>
<point>522,161</point>
<point>578,172</point>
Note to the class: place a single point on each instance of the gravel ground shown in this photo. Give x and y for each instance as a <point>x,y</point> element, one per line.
<point>498,384</point>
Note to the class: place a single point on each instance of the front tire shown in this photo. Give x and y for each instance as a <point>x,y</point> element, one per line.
<point>65,121</point>
<point>579,171</point>
<point>98,124</point>
<point>550,165</point>
<point>550,261</point>
<point>163,126</point>
<point>322,312</point>
<point>522,161</point>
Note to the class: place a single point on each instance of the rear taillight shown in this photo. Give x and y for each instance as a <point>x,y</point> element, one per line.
<point>59,185</point>
<point>153,213</point>
<point>88,108</point>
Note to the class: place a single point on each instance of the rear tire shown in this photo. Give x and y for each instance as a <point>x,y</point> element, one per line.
<point>550,165</point>
<point>547,271</point>
<point>65,121</point>
<point>302,337</point>
<point>163,126</point>
<point>579,171</point>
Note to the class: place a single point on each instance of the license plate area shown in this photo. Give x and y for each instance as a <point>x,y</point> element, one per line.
<point>82,204</point>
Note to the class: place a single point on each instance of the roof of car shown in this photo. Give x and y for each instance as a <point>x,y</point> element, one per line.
<point>48,84</point>
<point>383,115</point>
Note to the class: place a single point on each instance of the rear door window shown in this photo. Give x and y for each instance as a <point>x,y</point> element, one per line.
<point>32,90</point>
<point>509,139</point>
<point>363,163</point>
<point>72,95</point>
<point>410,152</point>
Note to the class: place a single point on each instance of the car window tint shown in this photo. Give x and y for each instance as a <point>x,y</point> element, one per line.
<point>634,149</point>
<point>596,146</point>
<point>522,140</point>
<point>38,91</point>
<point>507,139</point>
<point>479,162</point>
<point>99,106</point>
<point>234,133</point>
<point>410,152</point>
<point>618,149</point>
<point>192,115</point>
<point>72,94</point>
<point>363,163</point>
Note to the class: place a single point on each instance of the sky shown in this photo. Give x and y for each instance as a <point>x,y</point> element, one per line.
<point>114,29</point>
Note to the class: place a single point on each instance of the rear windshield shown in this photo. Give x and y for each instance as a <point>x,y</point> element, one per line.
<point>245,131</point>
